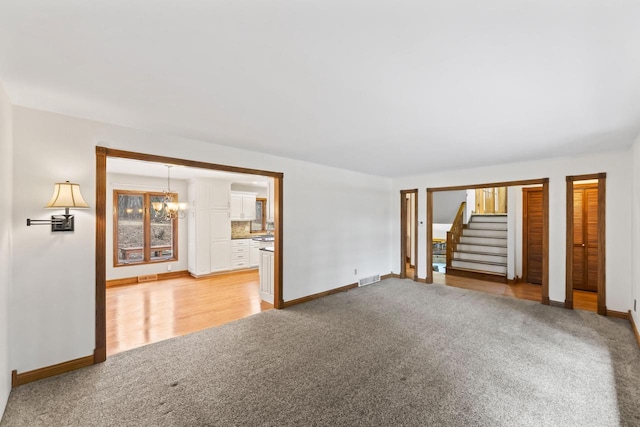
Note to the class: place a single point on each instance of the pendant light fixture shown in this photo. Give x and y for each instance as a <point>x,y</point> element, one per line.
<point>169,208</point>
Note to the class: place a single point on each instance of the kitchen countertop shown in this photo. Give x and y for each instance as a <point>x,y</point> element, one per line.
<point>265,238</point>
<point>252,236</point>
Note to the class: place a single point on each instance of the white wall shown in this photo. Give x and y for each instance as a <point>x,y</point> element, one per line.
<point>446,205</point>
<point>6,189</point>
<point>635,234</point>
<point>334,222</point>
<point>144,183</point>
<point>616,164</point>
<point>261,192</point>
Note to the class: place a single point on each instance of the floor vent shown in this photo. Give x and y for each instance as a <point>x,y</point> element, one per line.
<point>147,278</point>
<point>369,280</point>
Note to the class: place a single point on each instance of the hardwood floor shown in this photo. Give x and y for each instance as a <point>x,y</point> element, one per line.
<point>585,300</point>
<point>410,271</point>
<point>145,313</point>
<point>582,300</point>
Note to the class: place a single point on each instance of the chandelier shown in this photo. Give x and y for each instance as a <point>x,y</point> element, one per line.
<point>169,208</point>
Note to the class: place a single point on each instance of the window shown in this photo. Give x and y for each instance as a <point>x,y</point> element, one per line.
<point>260,223</point>
<point>140,237</point>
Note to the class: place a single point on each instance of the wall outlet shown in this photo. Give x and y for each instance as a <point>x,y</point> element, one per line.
<point>355,271</point>
<point>169,267</point>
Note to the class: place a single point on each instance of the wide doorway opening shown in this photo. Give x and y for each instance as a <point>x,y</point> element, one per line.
<point>479,229</point>
<point>181,246</point>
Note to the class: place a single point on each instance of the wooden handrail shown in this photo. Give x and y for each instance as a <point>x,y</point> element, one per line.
<point>453,235</point>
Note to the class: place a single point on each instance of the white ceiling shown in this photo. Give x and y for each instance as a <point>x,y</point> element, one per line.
<point>391,87</point>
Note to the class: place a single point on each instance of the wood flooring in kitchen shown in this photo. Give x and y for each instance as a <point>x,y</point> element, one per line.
<point>145,313</point>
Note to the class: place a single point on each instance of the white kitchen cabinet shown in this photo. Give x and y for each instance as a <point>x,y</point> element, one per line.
<point>209,194</point>
<point>220,260</point>
<point>240,253</point>
<point>254,254</point>
<point>220,235</point>
<point>199,247</point>
<point>220,197</point>
<point>220,228</point>
<point>266,276</point>
<point>209,227</point>
<point>243,206</point>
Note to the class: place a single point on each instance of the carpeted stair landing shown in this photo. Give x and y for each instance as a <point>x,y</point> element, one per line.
<point>394,353</point>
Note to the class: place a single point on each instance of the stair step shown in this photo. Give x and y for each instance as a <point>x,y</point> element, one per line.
<point>480,257</point>
<point>484,267</point>
<point>494,250</point>
<point>487,241</point>
<point>488,218</point>
<point>471,232</point>
<point>452,270</point>
<point>476,225</point>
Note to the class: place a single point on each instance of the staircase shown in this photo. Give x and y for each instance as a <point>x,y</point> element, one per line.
<point>481,251</point>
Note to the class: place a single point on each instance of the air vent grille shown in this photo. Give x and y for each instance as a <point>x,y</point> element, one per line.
<point>147,278</point>
<point>369,280</point>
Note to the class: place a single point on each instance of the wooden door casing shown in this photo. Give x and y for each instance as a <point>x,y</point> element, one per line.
<point>532,238</point>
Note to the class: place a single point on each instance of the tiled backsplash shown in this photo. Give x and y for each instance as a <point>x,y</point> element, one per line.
<point>242,230</point>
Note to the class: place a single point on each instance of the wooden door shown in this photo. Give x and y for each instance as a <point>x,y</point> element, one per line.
<point>532,235</point>
<point>585,237</point>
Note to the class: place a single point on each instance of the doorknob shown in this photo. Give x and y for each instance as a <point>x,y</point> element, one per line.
<point>583,245</point>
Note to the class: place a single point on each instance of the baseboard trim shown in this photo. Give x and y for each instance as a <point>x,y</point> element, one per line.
<point>221,273</point>
<point>291,303</point>
<point>555,304</point>
<point>618,314</point>
<point>487,277</point>
<point>133,280</point>
<point>634,327</point>
<point>420,280</point>
<point>332,291</point>
<point>49,371</point>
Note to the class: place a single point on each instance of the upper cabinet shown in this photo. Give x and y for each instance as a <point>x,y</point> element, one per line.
<point>209,194</point>
<point>243,206</point>
<point>220,196</point>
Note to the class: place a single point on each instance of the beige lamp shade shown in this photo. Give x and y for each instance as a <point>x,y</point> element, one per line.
<point>66,195</point>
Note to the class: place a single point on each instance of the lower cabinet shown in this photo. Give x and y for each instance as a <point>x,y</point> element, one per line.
<point>220,255</point>
<point>266,276</point>
<point>240,253</point>
<point>254,253</point>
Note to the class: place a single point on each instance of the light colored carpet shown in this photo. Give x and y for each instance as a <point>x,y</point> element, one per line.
<point>393,353</point>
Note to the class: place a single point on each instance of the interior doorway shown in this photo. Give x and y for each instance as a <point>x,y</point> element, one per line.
<point>409,234</point>
<point>495,225</point>
<point>586,267</point>
<point>102,154</point>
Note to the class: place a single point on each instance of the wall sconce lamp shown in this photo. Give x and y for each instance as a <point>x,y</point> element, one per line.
<point>65,195</point>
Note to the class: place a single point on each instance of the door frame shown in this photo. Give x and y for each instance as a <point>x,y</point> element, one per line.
<point>602,264</point>
<point>545,220</point>
<point>100,352</point>
<point>525,232</point>
<point>403,232</point>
